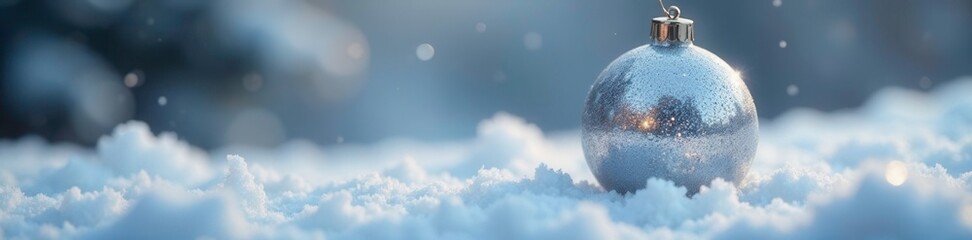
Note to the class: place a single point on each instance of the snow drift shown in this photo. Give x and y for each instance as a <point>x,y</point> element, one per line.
<point>898,167</point>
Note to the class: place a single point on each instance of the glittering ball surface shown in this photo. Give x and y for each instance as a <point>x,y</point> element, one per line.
<point>678,113</point>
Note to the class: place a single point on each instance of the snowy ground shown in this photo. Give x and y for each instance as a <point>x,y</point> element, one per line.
<point>899,167</point>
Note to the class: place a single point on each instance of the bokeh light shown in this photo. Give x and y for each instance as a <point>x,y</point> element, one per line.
<point>424,52</point>
<point>896,173</point>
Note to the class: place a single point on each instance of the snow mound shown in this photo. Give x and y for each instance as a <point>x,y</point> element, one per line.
<point>899,167</point>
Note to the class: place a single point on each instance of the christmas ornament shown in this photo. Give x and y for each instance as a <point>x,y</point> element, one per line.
<point>669,110</point>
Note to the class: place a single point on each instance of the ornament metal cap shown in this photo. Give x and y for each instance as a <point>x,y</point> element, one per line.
<point>672,29</point>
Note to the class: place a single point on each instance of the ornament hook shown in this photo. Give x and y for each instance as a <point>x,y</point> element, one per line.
<point>672,12</point>
<point>671,28</point>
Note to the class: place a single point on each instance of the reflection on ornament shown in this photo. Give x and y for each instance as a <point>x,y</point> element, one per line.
<point>669,110</point>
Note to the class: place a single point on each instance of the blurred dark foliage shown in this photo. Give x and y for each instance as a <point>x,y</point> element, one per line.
<point>199,55</point>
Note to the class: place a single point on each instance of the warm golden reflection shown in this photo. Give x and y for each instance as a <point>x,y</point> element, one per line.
<point>896,173</point>
<point>647,124</point>
<point>671,118</point>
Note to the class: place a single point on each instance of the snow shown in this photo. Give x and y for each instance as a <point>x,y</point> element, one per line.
<point>898,167</point>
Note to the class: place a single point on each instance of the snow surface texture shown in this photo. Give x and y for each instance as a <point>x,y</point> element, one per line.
<point>899,167</point>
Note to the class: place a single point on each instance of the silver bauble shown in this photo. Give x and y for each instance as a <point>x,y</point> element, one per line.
<point>669,110</point>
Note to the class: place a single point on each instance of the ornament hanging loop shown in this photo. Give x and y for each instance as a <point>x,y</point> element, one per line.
<point>671,29</point>
<point>672,12</point>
